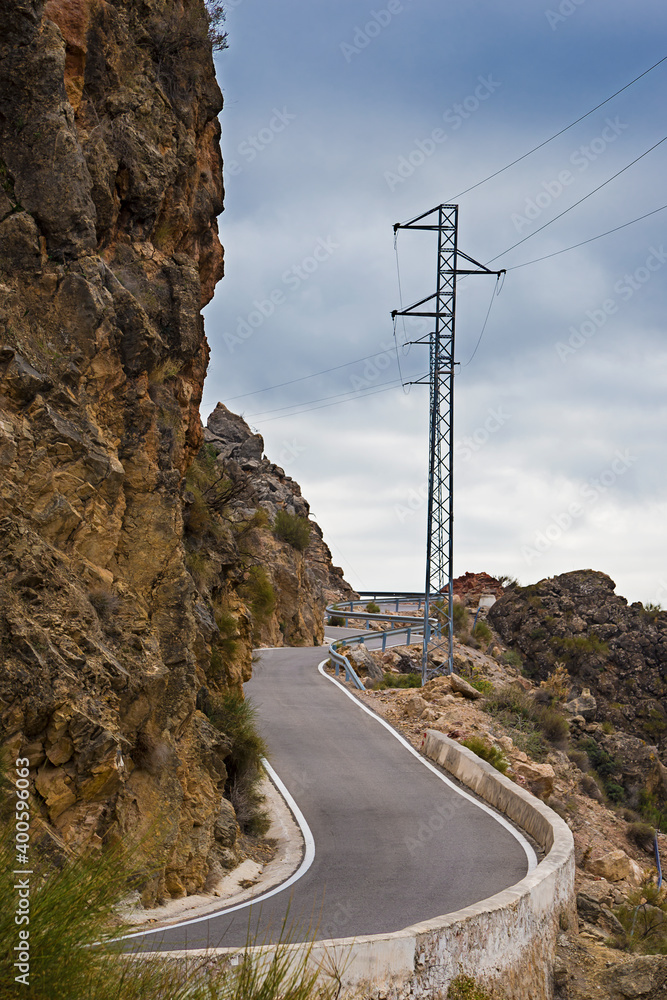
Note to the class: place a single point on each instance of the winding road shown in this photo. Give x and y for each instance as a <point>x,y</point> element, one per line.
<point>394,842</point>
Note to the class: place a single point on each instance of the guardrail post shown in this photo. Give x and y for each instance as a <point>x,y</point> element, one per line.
<point>384,641</point>
<point>409,634</point>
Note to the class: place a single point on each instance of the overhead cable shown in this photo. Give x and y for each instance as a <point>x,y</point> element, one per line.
<point>322,406</point>
<point>555,136</point>
<point>579,202</point>
<point>590,240</point>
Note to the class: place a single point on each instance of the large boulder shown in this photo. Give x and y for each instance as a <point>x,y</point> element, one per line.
<point>539,778</point>
<point>363,662</point>
<point>613,866</point>
<point>641,978</point>
<point>585,705</point>
<point>231,436</point>
<point>462,687</point>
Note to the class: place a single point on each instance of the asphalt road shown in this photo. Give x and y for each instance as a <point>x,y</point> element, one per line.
<point>394,843</point>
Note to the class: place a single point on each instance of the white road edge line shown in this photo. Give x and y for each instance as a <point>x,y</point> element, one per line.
<point>530,853</point>
<point>308,858</point>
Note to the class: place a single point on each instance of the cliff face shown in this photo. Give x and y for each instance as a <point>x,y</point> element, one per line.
<point>110,184</point>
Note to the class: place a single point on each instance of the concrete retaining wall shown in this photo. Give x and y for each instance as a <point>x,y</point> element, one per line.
<point>508,940</point>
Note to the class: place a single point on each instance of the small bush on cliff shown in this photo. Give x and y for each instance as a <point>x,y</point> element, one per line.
<point>258,591</point>
<point>487,752</point>
<point>292,529</point>
<point>641,834</point>
<point>236,717</point>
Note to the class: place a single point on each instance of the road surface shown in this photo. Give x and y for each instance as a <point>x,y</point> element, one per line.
<point>394,843</point>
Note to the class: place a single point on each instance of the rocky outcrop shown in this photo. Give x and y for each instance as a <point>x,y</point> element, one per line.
<point>471,586</point>
<point>618,652</point>
<point>294,559</point>
<point>126,599</point>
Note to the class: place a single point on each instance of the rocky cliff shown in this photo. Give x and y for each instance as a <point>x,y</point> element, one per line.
<point>130,579</point>
<point>617,651</point>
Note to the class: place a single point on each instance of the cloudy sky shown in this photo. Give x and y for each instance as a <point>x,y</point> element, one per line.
<point>344,117</point>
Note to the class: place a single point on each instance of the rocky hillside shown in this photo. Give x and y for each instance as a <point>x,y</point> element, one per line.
<point>137,562</point>
<point>551,734</point>
<point>618,652</point>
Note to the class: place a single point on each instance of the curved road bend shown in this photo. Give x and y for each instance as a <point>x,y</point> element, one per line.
<point>394,844</point>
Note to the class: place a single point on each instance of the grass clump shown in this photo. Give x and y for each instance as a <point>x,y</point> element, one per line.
<point>512,658</point>
<point>373,608</point>
<point>493,755</point>
<point>518,711</point>
<point>292,529</point>
<point>644,921</point>
<point>641,834</point>
<point>605,766</point>
<point>467,988</point>
<point>258,591</point>
<point>236,717</point>
<point>398,681</point>
<point>72,954</point>
<point>482,633</point>
<point>460,619</point>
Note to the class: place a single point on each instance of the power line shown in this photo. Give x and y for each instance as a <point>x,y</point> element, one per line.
<point>354,393</point>
<point>576,203</point>
<point>304,378</point>
<point>551,138</point>
<point>591,240</point>
<point>494,292</point>
<point>323,406</point>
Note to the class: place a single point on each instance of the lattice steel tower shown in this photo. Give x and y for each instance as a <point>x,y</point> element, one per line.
<point>441,307</point>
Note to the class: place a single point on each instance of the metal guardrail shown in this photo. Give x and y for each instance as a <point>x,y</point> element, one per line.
<point>346,610</point>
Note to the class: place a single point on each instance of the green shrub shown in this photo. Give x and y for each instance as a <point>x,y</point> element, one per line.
<point>575,650</point>
<point>460,618</point>
<point>292,529</point>
<point>481,684</point>
<point>201,568</point>
<point>236,717</point>
<point>258,591</point>
<point>483,633</point>
<point>512,658</point>
<point>336,621</point>
<point>467,988</point>
<point>579,758</point>
<point>73,923</point>
<point>519,712</point>
<point>644,921</point>
<point>605,767</point>
<point>398,681</point>
<point>652,808</point>
<point>373,608</point>
<point>641,834</point>
<point>493,755</point>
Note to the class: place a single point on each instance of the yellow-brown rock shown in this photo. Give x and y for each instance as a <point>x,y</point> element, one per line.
<point>119,614</point>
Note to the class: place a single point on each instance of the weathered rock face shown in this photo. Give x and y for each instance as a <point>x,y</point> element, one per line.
<point>471,586</point>
<point>301,576</point>
<point>618,652</point>
<point>118,614</point>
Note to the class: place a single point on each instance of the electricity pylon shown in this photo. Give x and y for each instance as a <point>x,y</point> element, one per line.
<point>440,306</point>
